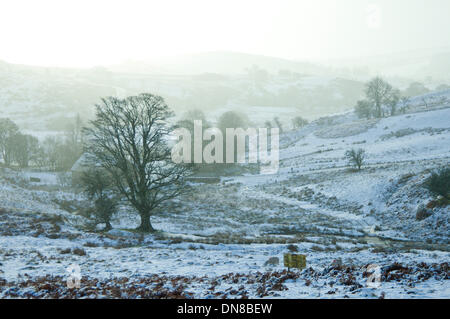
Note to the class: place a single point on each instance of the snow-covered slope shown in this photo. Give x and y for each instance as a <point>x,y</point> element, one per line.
<point>416,136</point>
<point>401,151</point>
<point>217,240</point>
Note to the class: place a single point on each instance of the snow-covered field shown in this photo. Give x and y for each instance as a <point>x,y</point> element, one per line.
<point>228,239</point>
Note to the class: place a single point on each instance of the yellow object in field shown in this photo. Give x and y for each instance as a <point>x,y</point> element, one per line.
<point>294,261</point>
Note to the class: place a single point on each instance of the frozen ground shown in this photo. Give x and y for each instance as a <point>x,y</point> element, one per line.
<point>217,241</point>
<point>37,267</point>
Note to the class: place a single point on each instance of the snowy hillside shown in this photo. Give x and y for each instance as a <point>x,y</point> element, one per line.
<point>228,239</point>
<point>401,151</point>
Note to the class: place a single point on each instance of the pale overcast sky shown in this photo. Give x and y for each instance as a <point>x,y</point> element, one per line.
<point>86,33</point>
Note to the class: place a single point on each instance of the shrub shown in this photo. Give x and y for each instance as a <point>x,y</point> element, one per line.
<point>65,251</point>
<point>422,213</point>
<point>79,251</point>
<point>90,244</point>
<point>316,248</point>
<point>272,261</point>
<point>439,182</point>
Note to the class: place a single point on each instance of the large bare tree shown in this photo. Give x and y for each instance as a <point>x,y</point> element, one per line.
<point>129,139</point>
<point>379,93</point>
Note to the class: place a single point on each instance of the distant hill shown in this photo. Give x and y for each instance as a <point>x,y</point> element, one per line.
<point>216,62</point>
<point>419,65</point>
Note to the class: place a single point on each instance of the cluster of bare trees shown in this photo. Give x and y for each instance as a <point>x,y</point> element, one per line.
<point>382,99</point>
<point>53,153</point>
<point>128,145</point>
<point>15,147</point>
<point>59,153</point>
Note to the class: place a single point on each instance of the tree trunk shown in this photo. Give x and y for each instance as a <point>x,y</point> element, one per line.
<point>108,226</point>
<point>146,226</point>
<point>7,160</point>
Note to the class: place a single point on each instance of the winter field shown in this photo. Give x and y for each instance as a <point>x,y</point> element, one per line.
<point>227,240</point>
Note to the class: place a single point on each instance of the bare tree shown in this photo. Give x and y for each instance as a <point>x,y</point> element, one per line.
<point>74,135</point>
<point>363,109</point>
<point>378,93</point>
<point>59,153</point>
<point>356,157</point>
<point>405,100</point>
<point>8,130</point>
<point>278,124</point>
<point>232,119</point>
<point>24,148</point>
<point>299,122</point>
<point>50,152</point>
<point>393,101</point>
<point>425,102</point>
<point>99,187</point>
<point>129,139</point>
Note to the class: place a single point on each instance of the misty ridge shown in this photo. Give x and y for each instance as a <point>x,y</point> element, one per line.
<point>213,82</point>
<point>213,150</point>
<point>52,105</point>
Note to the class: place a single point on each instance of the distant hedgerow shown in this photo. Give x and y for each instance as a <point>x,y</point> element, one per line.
<point>439,182</point>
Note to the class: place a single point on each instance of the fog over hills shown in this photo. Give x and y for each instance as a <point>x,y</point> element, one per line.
<point>431,64</point>
<point>222,62</point>
<point>213,82</point>
<point>413,65</point>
